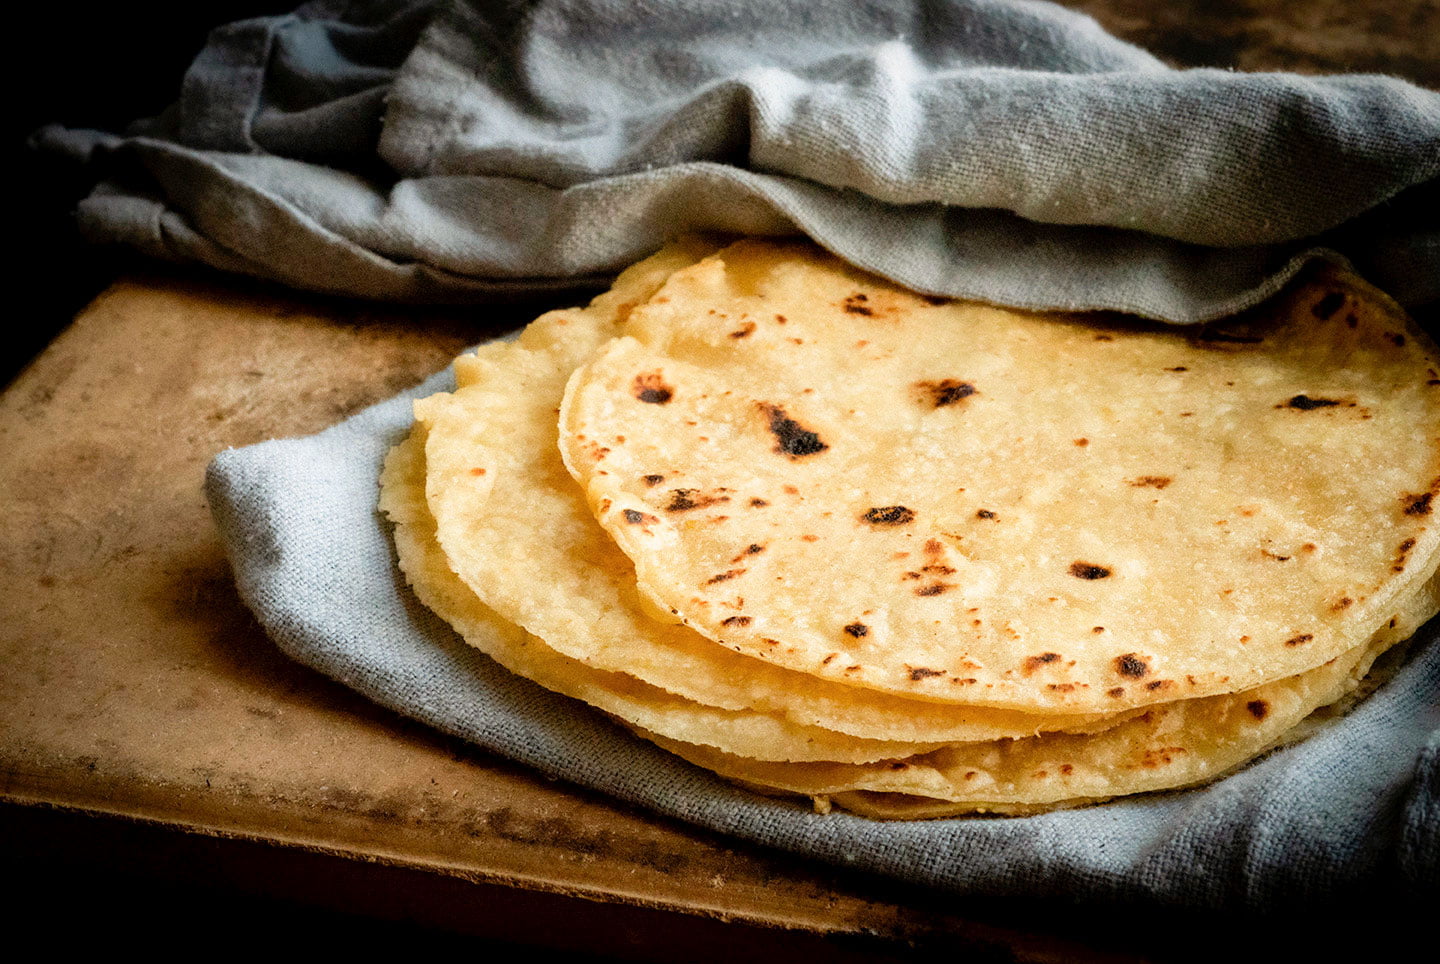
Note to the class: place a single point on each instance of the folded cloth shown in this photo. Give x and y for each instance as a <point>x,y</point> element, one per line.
<point>995,149</point>
<point>1353,810</point>
<point>1005,150</point>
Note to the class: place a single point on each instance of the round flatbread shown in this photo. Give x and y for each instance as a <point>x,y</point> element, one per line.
<point>1171,745</point>
<point>1046,513</point>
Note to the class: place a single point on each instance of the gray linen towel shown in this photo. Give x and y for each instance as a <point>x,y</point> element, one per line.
<point>1006,150</point>
<point>999,149</point>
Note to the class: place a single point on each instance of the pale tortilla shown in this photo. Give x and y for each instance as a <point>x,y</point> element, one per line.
<point>955,502</point>
<point>1171,745</point>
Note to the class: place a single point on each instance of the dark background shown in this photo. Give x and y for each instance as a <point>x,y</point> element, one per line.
<point>95,65</point>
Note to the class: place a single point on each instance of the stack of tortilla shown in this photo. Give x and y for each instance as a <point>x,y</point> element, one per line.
<point>918,557</point>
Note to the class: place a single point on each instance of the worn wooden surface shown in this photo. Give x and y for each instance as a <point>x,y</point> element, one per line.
<point>1398,37</point>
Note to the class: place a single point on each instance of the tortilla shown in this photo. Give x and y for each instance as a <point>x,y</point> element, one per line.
<point>1171,745</point>
<point>961,503</point>
<point>518,533</point>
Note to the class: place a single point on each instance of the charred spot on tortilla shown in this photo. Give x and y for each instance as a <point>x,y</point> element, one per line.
<point>1402,554</point>
<point>1306,403</point>
<point>683,500</point>
<point>1131,665</point>
<point>636,518</point>
<point>857,630</point>
<point>792,438</point>
<point>1088,570</point>
<point>1032,663</point>
<point>889,515</point>
<point>650,387</point>
<point>1328,305</point>
<point>1417,504</point>
<point>947,391</point>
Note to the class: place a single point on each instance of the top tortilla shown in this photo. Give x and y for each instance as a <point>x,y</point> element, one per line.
<point>975,505</point>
